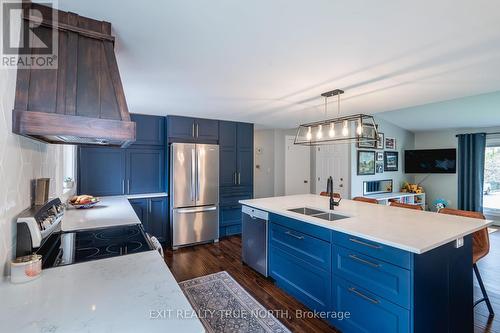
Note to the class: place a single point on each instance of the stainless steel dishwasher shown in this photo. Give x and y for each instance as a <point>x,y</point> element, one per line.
<point>254,238</point>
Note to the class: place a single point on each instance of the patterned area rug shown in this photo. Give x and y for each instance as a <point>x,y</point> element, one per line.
<point>224,306</point>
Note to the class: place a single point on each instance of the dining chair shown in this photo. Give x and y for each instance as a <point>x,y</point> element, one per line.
<point>363,199</point>
<point>405,205</point>
<point>480,248</point>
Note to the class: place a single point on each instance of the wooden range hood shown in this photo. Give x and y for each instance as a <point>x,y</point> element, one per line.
<point>82,101</point>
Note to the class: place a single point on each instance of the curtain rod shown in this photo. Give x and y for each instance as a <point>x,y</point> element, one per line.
<point>490,133</point>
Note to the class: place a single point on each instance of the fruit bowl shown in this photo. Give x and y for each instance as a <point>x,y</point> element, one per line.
<point>83,201</point>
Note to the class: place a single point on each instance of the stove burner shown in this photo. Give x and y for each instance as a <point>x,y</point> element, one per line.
<point>133,246</point>
<point>87,253</point>
<point>117,234</point>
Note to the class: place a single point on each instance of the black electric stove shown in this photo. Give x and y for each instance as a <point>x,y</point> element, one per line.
<point>66,248</point>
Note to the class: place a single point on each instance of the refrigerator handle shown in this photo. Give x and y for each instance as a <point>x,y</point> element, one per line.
<point>197,174</point>
<point>193,174</point>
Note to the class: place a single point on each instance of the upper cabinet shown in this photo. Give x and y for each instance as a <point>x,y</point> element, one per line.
<point>136,170</point>
<point>186,129</point>
<point>150,130</point>
<point>236,154</point>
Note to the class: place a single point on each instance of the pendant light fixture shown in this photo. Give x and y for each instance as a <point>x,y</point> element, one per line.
<point>348,129</point>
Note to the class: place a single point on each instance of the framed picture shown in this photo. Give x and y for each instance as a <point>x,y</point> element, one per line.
<point>380,141</point>
<point>379,167</point>
<point>390,143</point>
<point>368,131</point>
<point>380,157</point>
<point>366,162</point>
<point>391,161</point>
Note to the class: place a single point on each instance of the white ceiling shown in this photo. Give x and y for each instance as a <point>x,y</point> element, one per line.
<point>267,62</point>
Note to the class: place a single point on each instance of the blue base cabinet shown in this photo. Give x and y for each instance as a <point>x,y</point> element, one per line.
<point>299,262</point>
<point>378,288</point>
<point>153,213</point>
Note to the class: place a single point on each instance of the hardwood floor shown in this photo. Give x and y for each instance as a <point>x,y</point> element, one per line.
<point>201,260</point>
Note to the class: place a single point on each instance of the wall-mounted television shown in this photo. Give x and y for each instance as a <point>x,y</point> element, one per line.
<point>431,161</point>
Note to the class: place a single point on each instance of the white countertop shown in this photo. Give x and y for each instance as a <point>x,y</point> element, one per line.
<point>108,295</point>
<point>147,195</point>
<point>406,229</point>
<point>109,212</point>
<point>382,196</point>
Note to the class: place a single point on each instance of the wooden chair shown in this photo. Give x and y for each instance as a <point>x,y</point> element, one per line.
<point>404,205</point>
<point>363,199</point>
<point>326,194</point>
<point>480,248</point>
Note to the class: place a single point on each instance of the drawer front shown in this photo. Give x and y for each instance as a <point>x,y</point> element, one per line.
<point>230,215</point>
<point>310,249</point>
<point>310,229</point>
<point>376,250</point>
<point>233,230</point>
<point>306,283</point>
<point>368,313</point>
<point>232,199</point>
<point>379,277</point>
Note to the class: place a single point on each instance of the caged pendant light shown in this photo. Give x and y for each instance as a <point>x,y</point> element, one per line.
<point>348,129</point>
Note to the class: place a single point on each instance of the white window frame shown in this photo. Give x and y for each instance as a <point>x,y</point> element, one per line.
<point>492,214</point>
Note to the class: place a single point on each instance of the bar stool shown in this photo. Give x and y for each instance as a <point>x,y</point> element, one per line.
<point>480,248</point>
<point>404,205</point>
<point>363,199</point>
<point>326,194</point>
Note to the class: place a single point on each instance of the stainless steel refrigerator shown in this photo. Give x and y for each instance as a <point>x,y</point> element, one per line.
<point>194,193</point>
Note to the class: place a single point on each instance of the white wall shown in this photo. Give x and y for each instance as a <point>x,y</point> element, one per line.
<point>264,163</point>
<point>443,186</point>
<point>269,180</point>
<point>404,140</point>
<point>21,160</point>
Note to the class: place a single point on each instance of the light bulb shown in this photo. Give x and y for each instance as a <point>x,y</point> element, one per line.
<point>331,133</point>
<point>359,129</point>
<point>345,130</point>
<point>319,134</point>
<point>309,134</point>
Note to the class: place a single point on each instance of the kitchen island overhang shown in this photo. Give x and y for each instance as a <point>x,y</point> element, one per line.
<point>394,270</point>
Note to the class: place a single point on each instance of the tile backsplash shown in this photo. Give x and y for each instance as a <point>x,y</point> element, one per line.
<point>21,160</point>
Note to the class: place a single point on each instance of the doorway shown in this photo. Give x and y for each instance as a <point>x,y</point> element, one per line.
<point>334,161</point>
<point>297,167</point>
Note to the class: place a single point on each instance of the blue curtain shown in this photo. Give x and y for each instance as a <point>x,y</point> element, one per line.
<point>471,152</point>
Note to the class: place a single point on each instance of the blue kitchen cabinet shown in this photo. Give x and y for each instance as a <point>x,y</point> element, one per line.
<point>153,213</point>
<point>197,130</point>
<point>299,261</point>
<point>227,153</point>
<point>136,170</point>
<point>367,311</point>
<point>150,130</point>
<point>236,154</point>
<point>145,170</point>
<point>101,171</point>
<point>235,173</point>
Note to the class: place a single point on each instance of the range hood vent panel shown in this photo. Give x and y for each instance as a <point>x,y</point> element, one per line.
<point>82,101</point>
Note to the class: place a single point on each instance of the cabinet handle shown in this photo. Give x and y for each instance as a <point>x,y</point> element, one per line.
<point>149,206</point>
<point>123,186</point>
<point>289,233</point>
<point>192,131</point>
<point>365,244</point>
<point>235,178</point>
<point>128,186</point>
<point>239,178</point>
<point>353,290</point>
<point>197,130</point>
<point>367,262</point>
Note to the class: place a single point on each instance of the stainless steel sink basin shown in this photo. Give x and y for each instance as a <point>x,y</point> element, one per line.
<point>330,216</point>
<point>306,211</point>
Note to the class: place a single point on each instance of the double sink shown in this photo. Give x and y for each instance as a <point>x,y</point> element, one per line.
<point>318,214</point>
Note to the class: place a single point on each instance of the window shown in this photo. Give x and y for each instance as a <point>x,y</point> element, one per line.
<point>491,189</point>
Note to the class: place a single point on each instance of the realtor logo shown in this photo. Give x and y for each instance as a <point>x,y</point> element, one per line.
<point>28,39</point>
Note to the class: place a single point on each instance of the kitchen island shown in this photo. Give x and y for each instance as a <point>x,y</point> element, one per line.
<point>128,293</point>
<point>390,269</point>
